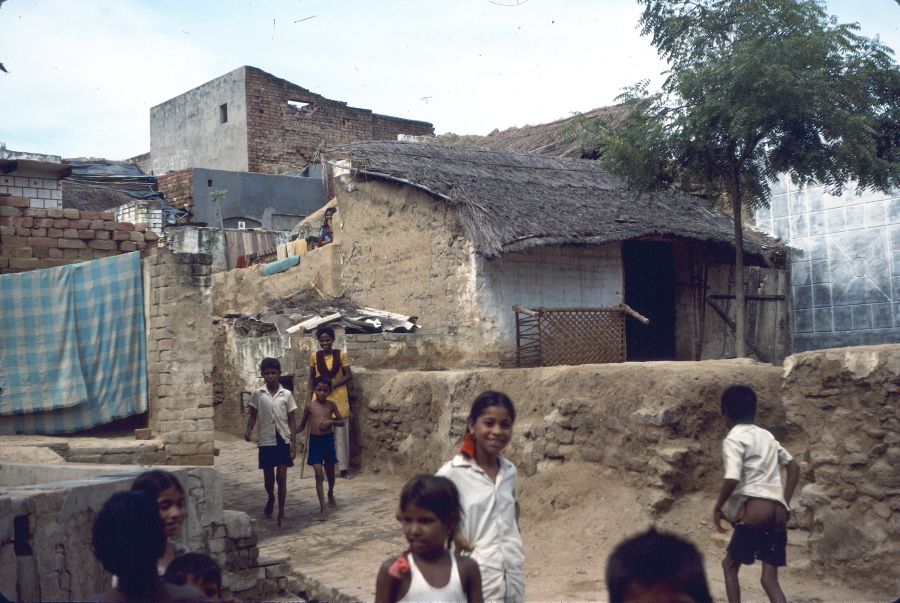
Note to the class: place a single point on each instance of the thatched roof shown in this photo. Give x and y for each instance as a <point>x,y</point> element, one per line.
<point>545,138</point>
<point>89,198</point>
<point>511,201</point>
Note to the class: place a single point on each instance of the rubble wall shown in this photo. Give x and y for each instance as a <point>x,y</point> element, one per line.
<point>658,424</point>
<point>843,416</point>
<point>178,308</point>
<point>35,238</point>
<point>177,188</point>
<point>248,290</point>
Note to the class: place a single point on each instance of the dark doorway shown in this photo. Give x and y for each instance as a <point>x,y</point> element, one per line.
<point>650,290</point>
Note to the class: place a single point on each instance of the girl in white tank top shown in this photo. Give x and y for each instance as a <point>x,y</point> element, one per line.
<point>429,511</point>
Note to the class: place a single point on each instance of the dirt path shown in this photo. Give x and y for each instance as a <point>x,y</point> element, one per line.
<point>572,517</point>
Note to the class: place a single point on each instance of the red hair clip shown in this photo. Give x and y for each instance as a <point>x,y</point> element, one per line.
<point>400,565</point>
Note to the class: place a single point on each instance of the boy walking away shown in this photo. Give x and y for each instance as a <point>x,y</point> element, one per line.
<point>332,363</point>
<point>752,495</point>
<point>274,407</point>
<point>322,414</point>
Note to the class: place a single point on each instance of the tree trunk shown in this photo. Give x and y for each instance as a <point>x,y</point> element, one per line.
<point>740,313</point>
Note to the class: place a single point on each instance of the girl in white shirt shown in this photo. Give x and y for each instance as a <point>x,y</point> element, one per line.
<point>488,489</point>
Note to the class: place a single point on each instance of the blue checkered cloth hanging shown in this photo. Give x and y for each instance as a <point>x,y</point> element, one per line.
<point>72,346</point>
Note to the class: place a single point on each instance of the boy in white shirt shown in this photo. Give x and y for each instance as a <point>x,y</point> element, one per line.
<point>752,495</point>
<point>274,406</point>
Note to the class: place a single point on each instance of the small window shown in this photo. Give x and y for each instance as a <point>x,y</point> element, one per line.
<point>300,105</point>
<point>209,183</point>
<point>223,113</point>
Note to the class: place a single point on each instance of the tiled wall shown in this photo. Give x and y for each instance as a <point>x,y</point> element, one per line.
<point>845,270</point>
<point>40,192</point>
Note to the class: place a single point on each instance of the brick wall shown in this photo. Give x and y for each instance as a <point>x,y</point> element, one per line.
<point>176,188</point>
<point>281,137</point>
<point>33,238</point>
<point>40,192</point>
<point>178,306</point>
<point>142,161</point>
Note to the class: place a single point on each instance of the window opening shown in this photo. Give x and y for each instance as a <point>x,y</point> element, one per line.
<point>298,105</point>
<point>223,113</point>
<point>209,183</point>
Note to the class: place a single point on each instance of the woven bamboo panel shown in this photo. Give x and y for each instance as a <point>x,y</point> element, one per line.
<point>571,336</point>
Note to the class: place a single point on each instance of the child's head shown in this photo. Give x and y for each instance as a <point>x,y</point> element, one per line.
<point>128,538</point>
<point>429,511</point>
<point>165,489</point>
<point>322,387</point>
<point>197,570</point>
<point>325,337</point>
<point>656,567</point>
<point>739,404</point>
<point>490,421</point>
<point>269,364</point>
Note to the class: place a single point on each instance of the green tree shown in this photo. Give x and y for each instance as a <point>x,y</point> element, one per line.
<point>757,89</point>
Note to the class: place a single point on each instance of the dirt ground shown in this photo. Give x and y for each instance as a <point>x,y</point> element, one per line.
<point>572,517</point>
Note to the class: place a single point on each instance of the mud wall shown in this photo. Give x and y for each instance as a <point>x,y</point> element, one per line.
<point>843,417</point>
<point>658,424</point>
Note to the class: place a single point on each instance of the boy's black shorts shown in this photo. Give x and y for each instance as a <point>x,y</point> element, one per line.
<point>279,454</point>
<point>749,543</point>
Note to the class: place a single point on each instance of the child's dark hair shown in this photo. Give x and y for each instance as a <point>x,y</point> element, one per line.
<point>324,331</point>
<point>331,210</point>
<point>739,403</point>
<point>193,564</point>
<point>128,537</point>
<point>436,494</point>
<point>268,363</point>
<point>322,379</point>
<point>155,481</point>
<point>651,558</point>
<point>491,398</point>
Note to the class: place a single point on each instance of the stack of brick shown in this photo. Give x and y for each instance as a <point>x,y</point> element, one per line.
<point>33,238</point>
<point>247,576</point>
<point>179,354</point>
<point>177,188</point>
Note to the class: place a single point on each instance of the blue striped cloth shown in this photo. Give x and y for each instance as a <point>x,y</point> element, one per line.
<point>72,346</point>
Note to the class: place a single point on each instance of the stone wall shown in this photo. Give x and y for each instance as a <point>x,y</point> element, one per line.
<point>178,307</point>
<point>843,413</point>
<point>46,513</point>
<point>33,238</point>
<point>282,137</point>
<point>177,188</point>
<point>657,424</point>
<point>40,190</point>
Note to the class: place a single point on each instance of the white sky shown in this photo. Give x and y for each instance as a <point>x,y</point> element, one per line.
<point>84,73</point>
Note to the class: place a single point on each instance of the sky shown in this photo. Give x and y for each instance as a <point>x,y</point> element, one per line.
<point>83,74</point>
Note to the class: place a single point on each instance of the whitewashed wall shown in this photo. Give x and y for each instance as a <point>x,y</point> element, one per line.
<point>549,277</point>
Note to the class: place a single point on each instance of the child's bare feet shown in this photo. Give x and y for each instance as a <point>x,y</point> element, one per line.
<point>323,515</point>
<point>270,506</point>
<point>331,501</point>
<point>281,524</point>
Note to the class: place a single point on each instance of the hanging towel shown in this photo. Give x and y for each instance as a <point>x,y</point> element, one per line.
<point>242,261</point>
<point>300,247</point>
<point>281,251</point>
<point>72,346</point>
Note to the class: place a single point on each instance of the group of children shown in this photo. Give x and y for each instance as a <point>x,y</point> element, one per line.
<point>471,504</point>
<point>327,413</point>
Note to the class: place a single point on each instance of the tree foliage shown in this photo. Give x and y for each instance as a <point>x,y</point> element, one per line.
<point>757,89</point>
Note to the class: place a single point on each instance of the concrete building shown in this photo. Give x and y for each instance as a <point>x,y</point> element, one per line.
<point>845,270</point>
<point>251,121</point>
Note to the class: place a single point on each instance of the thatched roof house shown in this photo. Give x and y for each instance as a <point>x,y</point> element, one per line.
<point>458,235</point>
<point>512,201</point>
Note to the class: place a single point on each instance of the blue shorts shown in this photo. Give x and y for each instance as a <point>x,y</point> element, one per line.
<point>279,454</point>
<point>749,543</point>
<point>321,450</point>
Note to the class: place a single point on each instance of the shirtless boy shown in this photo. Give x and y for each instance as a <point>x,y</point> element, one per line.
<point>752,489</point>
<point>319,412</point>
